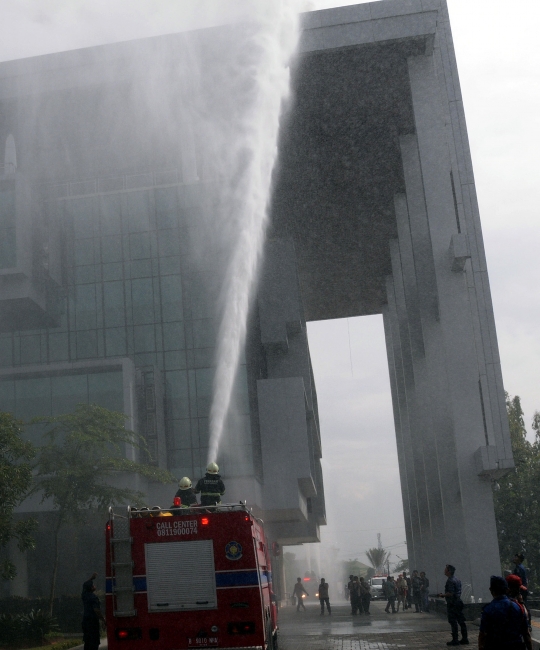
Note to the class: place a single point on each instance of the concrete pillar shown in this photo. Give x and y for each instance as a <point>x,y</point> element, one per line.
<point>431,318</point>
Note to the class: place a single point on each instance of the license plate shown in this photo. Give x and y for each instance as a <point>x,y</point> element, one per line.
<point>203,642</point>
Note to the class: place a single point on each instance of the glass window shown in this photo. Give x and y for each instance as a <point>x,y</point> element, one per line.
<point>138,211</point>
<point>144,338</point>
<point>171,298</point>
<point>33,397</point>
<point>113,298</point>
<point>87,344</point>
<point>168,243</point>
<point>7,209</point>
<point>58,347</point>
<point>173,336</point>
<point>166,207</point>
<point>180,464</point>
<point>8,248</point>
<point>7,396</point>
<point>140,269</point>
<point>169,266</point>
<point>6,358</point>
<point>107,390</point>
<point>143,301</point>
<point>139,246</point>
<point>241,391</point>
<point>31,349</point>
<point>84,252</point>
<point>110,213</point>
<point>115,342</point>
<point>181,434</point>
<point>175,360</point>
<point>112,271</point>
<point>85,306</point>
<point>85,274</point>
<point>68,391</point>
<point>82,213</point>
<point>111,249</point>
<point>177,394</point>
<point>204,335</point>
<point>204,378</point>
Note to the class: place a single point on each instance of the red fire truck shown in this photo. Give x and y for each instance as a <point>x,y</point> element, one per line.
<point>189,578</point>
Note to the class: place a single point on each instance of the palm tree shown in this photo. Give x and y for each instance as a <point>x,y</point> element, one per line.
<point>378,557</point>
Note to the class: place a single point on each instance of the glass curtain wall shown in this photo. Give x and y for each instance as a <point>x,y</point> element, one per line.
<point>133,290</point>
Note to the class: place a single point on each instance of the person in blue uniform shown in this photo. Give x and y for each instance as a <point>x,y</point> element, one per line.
<point>454,606</point>
<point>521,571</point>
<point>91,616</point>
<point>210,486</point>
<point>503,625</point>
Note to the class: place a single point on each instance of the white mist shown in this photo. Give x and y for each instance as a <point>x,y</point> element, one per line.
<point>273,43</point>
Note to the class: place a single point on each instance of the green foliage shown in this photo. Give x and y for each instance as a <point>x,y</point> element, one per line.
<point>22,629</point>
<point>517,496</point>
<point>84,452</point>
<point>378,558</point>
<point>402,565</point>
<point>15,482</point>
<point>356,568</point>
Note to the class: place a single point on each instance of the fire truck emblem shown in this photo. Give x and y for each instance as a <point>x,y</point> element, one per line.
<point>233,551</point>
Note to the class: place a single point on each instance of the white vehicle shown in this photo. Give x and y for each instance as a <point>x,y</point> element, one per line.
<point>376,584</point>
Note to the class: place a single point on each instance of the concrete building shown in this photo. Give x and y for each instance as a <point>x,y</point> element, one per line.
<point>376,193</point>
<point>374,211</point>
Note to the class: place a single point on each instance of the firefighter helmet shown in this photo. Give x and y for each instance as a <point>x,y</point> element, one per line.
<point>212,468</point>
<point>184,483</point>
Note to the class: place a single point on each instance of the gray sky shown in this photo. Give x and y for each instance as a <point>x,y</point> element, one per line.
<point>498,62</point>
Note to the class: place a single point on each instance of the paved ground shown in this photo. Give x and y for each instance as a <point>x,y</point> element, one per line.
<point>379,631</point>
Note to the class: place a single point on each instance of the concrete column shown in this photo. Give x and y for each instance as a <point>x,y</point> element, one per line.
<point>399,389</point>
<point>451,368</point>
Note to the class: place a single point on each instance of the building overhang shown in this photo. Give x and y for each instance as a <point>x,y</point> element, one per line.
<point>339,156</point>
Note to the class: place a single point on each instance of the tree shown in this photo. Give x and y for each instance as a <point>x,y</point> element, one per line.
<point>517,496</point>
<point>15,483</point>
<point>378,558</point>
<point>356,568</point>
<point>402,565</point>
<point>82,453</point>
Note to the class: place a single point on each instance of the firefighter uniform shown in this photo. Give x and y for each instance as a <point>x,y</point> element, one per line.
<point>211,489</point>
<point>187,497</point>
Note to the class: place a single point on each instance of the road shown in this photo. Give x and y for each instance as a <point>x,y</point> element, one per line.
<point>341,631</point>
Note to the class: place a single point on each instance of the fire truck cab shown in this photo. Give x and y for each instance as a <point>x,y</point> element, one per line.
<point>188,578</point>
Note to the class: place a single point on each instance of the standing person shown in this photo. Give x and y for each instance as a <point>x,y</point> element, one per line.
<point>503,625</point>
<point>210,486</point>
<point>365,595</point>
<point>89,583</point>
<point>515,593</point>
<point>349,587</point>
<point>91,616</point>
<point>298,592</point>
<point>409,590</point>
<point>424,592</point>
<point>389,588</point>
<point>401,586</point>
<point>521,571</point>
<point>186,494</point>
<point>323,597</point>
<point>454,606</point>
<point>356,605</point>
<point>416,583</point>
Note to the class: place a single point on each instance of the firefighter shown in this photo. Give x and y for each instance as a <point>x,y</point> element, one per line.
<point>185,492</point>
<point>211,486</point>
